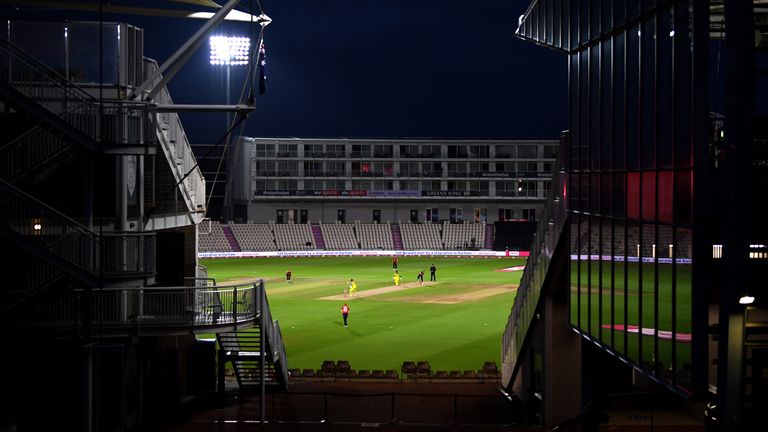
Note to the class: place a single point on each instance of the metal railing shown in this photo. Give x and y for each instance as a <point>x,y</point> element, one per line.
<point>176,146</point>
<point>127,252</point>
<point>543,246</point>
<point>273,334</point>
<point>106,254</point>
<point>134,309</point>
<point>113,122</point>
<point>30,151</point>
<point>38,223</point>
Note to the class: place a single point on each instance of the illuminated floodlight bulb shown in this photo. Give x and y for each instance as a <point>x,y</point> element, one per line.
<point>226,50</point>
<point>746,299</point>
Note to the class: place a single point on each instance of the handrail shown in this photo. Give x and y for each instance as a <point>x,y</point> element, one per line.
<point>38,222</point>
<point>42,71</point>
<point>544,242</point>
<point>114,122</point>
<point>274,335</point>
<point>177,148</point>
<point>109,253</point>
<point>126,308</point>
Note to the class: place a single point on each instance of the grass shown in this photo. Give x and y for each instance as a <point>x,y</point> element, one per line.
<point>386,329</point>
<point>643,301</point>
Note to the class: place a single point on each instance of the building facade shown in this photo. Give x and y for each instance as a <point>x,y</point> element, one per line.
<point>289,180</point>
<point>663,241</point>
<point>100,198</point>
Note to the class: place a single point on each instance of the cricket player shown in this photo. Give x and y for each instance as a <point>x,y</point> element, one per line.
<point>396,277</point>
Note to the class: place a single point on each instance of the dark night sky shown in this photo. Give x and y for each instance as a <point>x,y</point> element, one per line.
<point>373,68</point>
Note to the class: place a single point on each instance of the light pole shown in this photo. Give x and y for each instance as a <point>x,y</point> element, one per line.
<point>229,51</point>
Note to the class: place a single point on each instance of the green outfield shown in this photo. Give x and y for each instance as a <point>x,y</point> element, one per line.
<point>648,293</point>
<point>455,323</point>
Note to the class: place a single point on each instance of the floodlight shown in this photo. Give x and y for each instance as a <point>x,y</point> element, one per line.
<point>746,299</point>
<point>229,50</point>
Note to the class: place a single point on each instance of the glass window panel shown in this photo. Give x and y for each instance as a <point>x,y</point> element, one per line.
<point>594,18</point>
<point>666,193</point>
<point>574,25</point>
<point>607,294</point>
<point>633,195</point>
<point>648,297</point>
<point>573,194</point>
<point>633,8</point>
<point>594,107</point>
<point>606,109</point>
<point>556,20</point>
<point>584,22</point>
<point>633,292</point>
<point>584,78</point>
<point>607,16</point>
<point>527,151</point>
<point>648,93</point>
<point>44,41</point>
<point>649,196</point>
<point>619,99</point>
<point>683,301</point>
<point>83,65</point>
<point>594,192</point>
<point>585,193</point>
<point>584,287</point>
<point>664,93</point>
<point>683,197</point>
<point>648,4</point>
<point>682,83</point>
<point>664,250</point>
<point>606,193</point>
<point>633,96</point>
<point>574,141</point>
<point>619,11</point>
<point>573,300</point>
<point>595,279</point>
<point>620,295</point>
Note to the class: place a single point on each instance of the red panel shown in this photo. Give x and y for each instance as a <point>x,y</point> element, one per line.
<point>633,195</point>
<point>649,196</point>
<point>666,192</point>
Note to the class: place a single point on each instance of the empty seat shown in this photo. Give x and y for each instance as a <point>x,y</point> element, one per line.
<point>423,368</point>
<point>328,366</point>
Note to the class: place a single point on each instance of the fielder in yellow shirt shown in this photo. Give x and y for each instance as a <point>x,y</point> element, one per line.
<point>396,277</point>
<point>352,287</point>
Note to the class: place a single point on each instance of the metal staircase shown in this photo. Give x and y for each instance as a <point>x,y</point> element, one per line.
<point>243,350</point>
<point>257,355</point>
<point>70,246</point>
<point>55,103</point>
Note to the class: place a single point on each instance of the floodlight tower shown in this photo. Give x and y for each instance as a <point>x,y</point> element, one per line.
<point>229,51</point>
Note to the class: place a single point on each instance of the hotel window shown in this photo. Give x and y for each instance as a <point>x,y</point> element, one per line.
<point>527,151</point>
<point>478,151</point>
<point>382,151</point>
<point>476,169</point>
